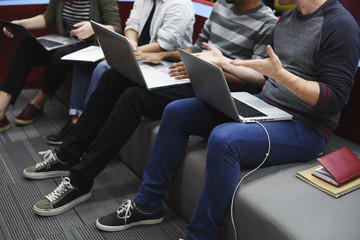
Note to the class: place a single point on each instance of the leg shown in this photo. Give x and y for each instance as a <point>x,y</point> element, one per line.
<point>101,104</point>
<point>79,85</point>
<point>26,56</point>
<point>135,103</point>
<point>95,77</point>
<point>56,71</point>
<point>181,119</point>
<point>233,144</point>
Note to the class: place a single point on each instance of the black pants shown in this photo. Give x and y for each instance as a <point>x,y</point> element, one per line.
<point>110,117</point>
<point>28,55</point>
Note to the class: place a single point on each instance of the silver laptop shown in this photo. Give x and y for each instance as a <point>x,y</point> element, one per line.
<point>48,42</point>
<point>209,84</point>
<point>119,55</point>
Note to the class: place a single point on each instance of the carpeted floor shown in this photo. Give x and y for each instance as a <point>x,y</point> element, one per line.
<point>19,149</point>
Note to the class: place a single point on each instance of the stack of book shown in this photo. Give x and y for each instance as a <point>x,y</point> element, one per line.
<point>338,174</point>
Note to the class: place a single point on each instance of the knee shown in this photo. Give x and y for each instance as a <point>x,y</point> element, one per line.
<point>174,109</point>
<point>106,79</point>
<point>226,138</point>
<point>101,67</point>
<point>132,94</point>
<point>219,137</point>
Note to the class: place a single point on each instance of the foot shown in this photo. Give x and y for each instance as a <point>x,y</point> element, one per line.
<point>49,168</point>
<point>4,124</point>
<point>58,138</point>
<point>28,115</point>
<point>128,215</point>
<point>62,199</point>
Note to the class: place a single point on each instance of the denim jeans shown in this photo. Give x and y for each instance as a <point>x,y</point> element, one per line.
<point>230,145</point>
<point>84,82</point>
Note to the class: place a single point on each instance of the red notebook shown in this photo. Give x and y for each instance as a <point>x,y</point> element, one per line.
<point>339,167</point>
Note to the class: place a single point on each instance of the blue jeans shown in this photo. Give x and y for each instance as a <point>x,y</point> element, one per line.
<point>84,82</point>
<point>230,146</point>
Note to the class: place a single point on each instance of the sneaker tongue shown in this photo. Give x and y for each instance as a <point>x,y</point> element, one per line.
<point>60,190</point>
<point>124,210</point>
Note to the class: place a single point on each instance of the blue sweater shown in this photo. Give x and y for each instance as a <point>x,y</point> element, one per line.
<point>324,47</point>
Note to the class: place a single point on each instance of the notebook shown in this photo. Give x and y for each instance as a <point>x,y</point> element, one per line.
<point>48,42</point>
<point>120,55</point>
<point>336,192</point>
<point>209,84</point>
<point>338,167</point>
<point>89,54</point>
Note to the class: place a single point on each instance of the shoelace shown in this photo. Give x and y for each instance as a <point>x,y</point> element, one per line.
<point>125,210</point>
<point>60,190</point>
<point>49,157</point>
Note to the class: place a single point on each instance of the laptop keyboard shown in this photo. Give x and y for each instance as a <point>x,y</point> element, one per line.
<point>245,110</point>
<point>48,43</point>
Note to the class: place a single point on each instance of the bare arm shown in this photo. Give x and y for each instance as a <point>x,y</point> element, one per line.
<point>157,57</point>
<point>306,90</point>
<point>132,35</point>
<point>151,47</point>
<point>215,56</point>
<point>37,22</point>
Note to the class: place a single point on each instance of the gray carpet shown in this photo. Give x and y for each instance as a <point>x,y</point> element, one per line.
<point>19,149</point>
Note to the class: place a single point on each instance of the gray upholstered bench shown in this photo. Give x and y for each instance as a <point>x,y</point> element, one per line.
<point>271,204</point>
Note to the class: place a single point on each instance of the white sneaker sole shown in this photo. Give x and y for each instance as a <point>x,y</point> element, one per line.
<point>45,175</point>
<point>59,210</point>
<point>120,228</point>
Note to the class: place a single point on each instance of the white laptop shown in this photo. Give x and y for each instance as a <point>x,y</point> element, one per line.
<point>48,42</point>
<point>119,55</point>
<point>209,84</point>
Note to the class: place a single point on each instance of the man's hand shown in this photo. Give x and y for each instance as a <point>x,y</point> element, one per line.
<point>178,71</point>
<point>134,46</point>
<point>83,30</point>
<point>155,57</point>
<point>213,55</point>
<point>270,66</point>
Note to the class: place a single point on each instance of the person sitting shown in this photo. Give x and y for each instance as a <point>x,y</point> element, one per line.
<point>65,14</point>
<point>150,27</point>
<point>116,107</point>
<point>303,77</point>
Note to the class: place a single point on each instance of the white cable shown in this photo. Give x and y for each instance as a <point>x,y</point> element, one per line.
<point>238,185</point>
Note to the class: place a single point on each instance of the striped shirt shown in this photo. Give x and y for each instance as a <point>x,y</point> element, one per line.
<point>238,34</point>
<point>75,12</point>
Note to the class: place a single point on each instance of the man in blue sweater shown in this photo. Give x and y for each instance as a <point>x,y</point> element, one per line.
<point>309,73</point>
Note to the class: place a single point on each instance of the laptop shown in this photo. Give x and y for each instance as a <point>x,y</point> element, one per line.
<point>120,55</point>
<point>209,84</point>
<point>48,42</point>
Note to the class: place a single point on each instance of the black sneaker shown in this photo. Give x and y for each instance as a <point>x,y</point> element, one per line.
<point>49,168</point>
<point>57,139</point>
<point>63,198</point>
<point>128,215</point>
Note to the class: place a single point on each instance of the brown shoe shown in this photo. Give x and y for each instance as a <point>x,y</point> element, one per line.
<point>28,115</point>
<point>4,124</point>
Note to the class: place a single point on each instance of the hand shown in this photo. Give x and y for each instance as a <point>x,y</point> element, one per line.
<point>213,55</point>
<point>155,58</point>
<point>83,30</point>
<point>134,46</point>
<point>7,32</point>
<point>270,66</point>
<point>178,71</point>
